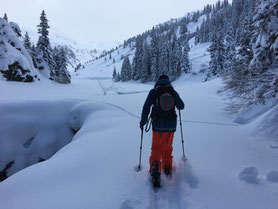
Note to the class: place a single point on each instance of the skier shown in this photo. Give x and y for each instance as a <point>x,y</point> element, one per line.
<point>163,99</point>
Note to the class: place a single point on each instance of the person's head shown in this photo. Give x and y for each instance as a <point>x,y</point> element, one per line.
<point>163,77</point>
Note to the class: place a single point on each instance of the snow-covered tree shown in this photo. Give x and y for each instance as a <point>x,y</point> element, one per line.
<point>27,42</point>
<point>114,75</point>
<point>217,53</point>
<point>230,58</point>
<point>154,54</point>
<point>44,50</point>
<point>60,73</point>
<point>185,63</point>
<point>176,58</point>
<point>137,60</point>
<point>15,61</point>
<point>263,66</point>
<point>146,64</point>
<point>126,70</point>
<point>5,17</point>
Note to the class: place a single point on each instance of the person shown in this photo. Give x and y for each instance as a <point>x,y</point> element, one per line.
<point>164,123</point>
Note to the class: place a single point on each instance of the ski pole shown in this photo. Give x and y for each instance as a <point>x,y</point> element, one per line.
<point>139,166</point>
<point>183,158</point>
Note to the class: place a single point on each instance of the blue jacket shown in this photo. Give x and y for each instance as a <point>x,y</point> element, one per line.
<point>158,124</point>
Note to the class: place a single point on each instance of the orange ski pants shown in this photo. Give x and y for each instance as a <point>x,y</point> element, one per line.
<point>162,149</point>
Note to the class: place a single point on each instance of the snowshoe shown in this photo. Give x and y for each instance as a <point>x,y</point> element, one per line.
<point>167,171</point>
<point>155,175</point>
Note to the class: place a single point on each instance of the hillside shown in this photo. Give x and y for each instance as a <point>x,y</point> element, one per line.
<point>76,51</point>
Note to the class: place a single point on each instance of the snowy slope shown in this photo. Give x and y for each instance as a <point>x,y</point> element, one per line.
<point>192,27</point>
<point>96,170</point>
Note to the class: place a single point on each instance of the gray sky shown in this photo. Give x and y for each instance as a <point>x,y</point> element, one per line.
<point>99,20</point>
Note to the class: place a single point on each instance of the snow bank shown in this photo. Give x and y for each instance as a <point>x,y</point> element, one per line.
<point>266,124</point>
<point>34,131</point>
<point>272,176</point>
<point>31,132</point>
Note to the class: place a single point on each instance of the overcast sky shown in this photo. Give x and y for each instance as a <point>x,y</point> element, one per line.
<point>99,20</point>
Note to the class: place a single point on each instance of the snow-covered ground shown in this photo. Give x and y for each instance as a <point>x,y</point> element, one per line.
<point>227,168</point>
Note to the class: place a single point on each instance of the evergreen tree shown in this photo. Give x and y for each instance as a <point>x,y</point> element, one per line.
<point>33,54</point>
<point>5,17</point>
<point>146,64</point>
<point>126,70</point>
<point>183,28</point>
<point>26,42</point>
<point>44,50</point>
<point>164,58</point>
<point>60,73</point>
<point>217,54</point>
<point>185,63</point>
<point>115,75</point>
<point>137,60</point>
<point>176,58</point>
<point>154,54</point>
<point>230,58</point>
<point>263,66</point>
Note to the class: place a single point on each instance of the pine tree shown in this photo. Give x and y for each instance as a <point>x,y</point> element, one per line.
<point>217,54</point>
<point>183,28</point>
<point>176,58</point>
<point>26,42</point>
<point>115,75</point>
<point>33,54</point>
<point>230,58</point>
<point>126,70</point>
<point>164,58</point>
<point>60,73</point>
<point>154,54</point>
<point>6,17</point>
<point>137,60</point>
<point>263,66</point>
<point>44,49</point>
<point>185,63</point>
<point>146,64</point>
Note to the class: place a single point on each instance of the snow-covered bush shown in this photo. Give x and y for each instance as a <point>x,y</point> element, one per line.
<point>249,175</point>
<point>15,61</point>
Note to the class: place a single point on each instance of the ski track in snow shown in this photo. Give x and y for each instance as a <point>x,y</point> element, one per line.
<point>186,121</point>
<point>172,195</point>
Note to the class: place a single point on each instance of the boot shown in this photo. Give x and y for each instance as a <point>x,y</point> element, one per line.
<point>155,174</point>
<point>167,170</point>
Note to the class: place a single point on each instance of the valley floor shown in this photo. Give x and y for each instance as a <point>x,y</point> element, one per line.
<point>96,170</point>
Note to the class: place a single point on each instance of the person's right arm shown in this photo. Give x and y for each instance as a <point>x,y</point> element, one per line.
<point>178,101</point>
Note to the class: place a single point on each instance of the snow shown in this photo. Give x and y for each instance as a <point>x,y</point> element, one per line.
<point>96,169</point>
<point>272,176</point>
<point>192,26</point>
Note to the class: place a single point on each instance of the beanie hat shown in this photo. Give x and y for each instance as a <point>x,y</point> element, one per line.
<point>163,77</point>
